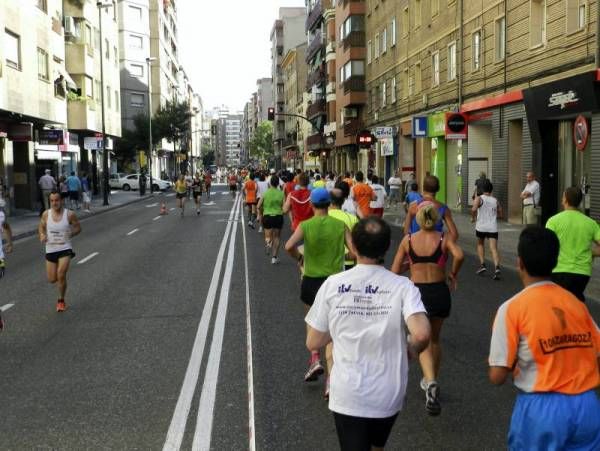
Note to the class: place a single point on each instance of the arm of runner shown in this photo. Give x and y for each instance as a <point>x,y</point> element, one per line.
<point>259,207</point>
<point>476,204</point>
<point>8,236</point>
<point>351,255</point>
<point>499,212</point>
<point>400,264</point>
<point>420,331</point>
<point>452,230</point>
<point>409,217</point>
<point>42,227</point>
<point>316,339</point>
<point>287,204</point>
<point>75,225</point>
<point>291,246</point>
<point>457,260</point>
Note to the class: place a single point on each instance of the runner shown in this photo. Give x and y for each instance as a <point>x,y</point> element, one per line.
<point>488,209</point>
<point>197,185</point>
<point>181,193</point>
<point>298,203</point>
<point>270,208</point>
<point>370,375</point>
<point>549,342</point>
<point>207,182</point>
<point>335,211</point>
<point>431,185</point>
<point>250,190</point>
<point>378,204</point>
<point>232,184</point>
<point>57,226</point>
<point>362,195</point>
<point>324,238</point>
<point>427,252</point>
<point>263,186</point>
<point>189,181</point>
<point>5,236</point>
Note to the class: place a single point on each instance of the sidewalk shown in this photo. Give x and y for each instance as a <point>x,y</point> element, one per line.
<point>508,239</point>
<point>25,224</point>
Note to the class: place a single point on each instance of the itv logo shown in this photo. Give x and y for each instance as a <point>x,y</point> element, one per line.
<point>370,289</point>
<point>344,288</point>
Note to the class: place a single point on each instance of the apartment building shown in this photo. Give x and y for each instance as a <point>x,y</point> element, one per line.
<point>247,129</point>
<point>228,138</point>
<point>33,106</point>
<point>294,69</point>
<point>288,32</point>
<point>264,98</point>
<point>494,87</point>
<point>351,91</point>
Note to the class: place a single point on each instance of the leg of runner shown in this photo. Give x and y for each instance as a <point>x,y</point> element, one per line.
<point>495,257</point>
<point>329,367</point>
<point>481,255</point>
<point>430,360</point>
<point>315,369</point>
<point>61,280</point>
<point>268,242</point>
<point>275,242</point>
<point>197,200</point>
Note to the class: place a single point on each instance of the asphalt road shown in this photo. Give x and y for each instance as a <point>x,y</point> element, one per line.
<point>153,351</point>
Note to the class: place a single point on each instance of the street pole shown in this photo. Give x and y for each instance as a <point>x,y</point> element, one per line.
<point>150,144</point>
<point>105,185</point>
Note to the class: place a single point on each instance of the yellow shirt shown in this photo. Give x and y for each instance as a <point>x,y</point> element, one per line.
<point>180,186</point>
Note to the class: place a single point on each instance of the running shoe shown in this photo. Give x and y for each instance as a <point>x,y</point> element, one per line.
<point>2,266</point>
<point>496,275</point>
<point>250,224</point>
<point>481,270</point>
<point>267,248</point>
<point>326,394</point>
<point>423,384</point>
<point>260,229</point>
<point>198,212</point>
<point>61,306</point>
<point>315,369</point>
<point>274,260</point>
<point>432,402</point>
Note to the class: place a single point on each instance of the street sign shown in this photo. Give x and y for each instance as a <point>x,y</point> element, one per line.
<point>51,137</point>
<point>581,133</point>
<point>419,127</point>
<point>456,126</point>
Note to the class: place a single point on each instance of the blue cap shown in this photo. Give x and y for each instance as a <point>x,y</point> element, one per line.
<point>319,196</point>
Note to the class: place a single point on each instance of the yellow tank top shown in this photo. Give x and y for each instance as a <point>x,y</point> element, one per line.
<point>180,186</point>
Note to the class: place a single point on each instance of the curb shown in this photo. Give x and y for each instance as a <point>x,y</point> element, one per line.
<point>27,234</point>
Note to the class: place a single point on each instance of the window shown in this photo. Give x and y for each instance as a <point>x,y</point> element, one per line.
<point>405,84</point>
<point>452,61</point>
<point>418,77</point>
<point>352,23</point>
<point>116,100</point>
<point>369,50</point>
<point>411,83</point>
<point>136,70</point>
<point>405,21</point>
<point>135,14</point>
<point>575,15</point>
<point>137,100</point>
<point>106,49</point>
<point>89,87</point>
<point>435,69</point>
<point>116,56</point>
<point>353,68</point>
<point>108,97</point>
<point>435,7</point>
<point>384,41</point>
<point>393,89</point>
<point>393,32</point>
<point>42,60</point>
<point>500,39</point>
<point>476,50</point>
<point>376,46</point>
<point>537,23</point>
<point>42,4</point>
<point>383,94</point>
<point>135,42</point>
<point>12,49</point>
<point>417,13</point>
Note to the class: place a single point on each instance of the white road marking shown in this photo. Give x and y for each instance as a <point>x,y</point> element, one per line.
<point>182,409</point>
<point>152,205</point>
<point>132,232</point>
<point>249,359</point>
<point>203,432</point>
<point>208,204</point>
<point>157,218</point>
<point>170,195</point>
<point>4,308</point>
<point>172,208</point>
<point>88,258</point>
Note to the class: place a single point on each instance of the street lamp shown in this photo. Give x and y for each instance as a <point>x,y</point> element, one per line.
<point>101,5</point>
<point>148,63</point>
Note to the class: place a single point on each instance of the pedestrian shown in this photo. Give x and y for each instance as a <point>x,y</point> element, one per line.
<point>189,180</point>
<point>207,183</point>
<point>197,186</point>
<point>57,226</point>
<point>348,179</point>
<point>64,189</point>
<point>86,194</point>
<point>348,205</point>
<point>318,183</point>
<point>370,342</point>
<point>335,211</point>
<point>47,184</point>
<point>263,186</point>
<point>298,204</point>
<point>181,193</point>
<point>395,184</point>
<point>330,182</point>
<point>488,210</point>
<point>250,196</point>
<point>378,204</point>
<point>579,238</point>
<point>431,185</point>
<point>479,185</point>
<point>412,195</point>
<point>270,208</point>
<point>531,200</point>
<point>362,195</point>
<point>74,187</point>
<point>426,252</point>
<point>6,246</point>
<point>232,180</point>
<point>289,185</point>
<point>324,238</point>
<point>547,341</point>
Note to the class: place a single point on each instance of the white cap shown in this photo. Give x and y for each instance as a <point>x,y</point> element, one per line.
<point>272,171</point>
<point>47,171</point>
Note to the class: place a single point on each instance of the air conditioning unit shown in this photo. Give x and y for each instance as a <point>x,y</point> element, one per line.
<point>71,28</point>
<point>425,99</point>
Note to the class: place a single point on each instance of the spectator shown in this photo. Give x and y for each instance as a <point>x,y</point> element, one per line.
<point>377,204</point>
<point>479,185</point>
<point>74,188</point>
<point>531,200</point>
<point>86,194</point>
<point>47,184</point>
<point>395,184</point>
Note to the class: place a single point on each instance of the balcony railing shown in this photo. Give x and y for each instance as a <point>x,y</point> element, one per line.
<point>318,107</point>
<point>315,15</point>
<point>315,46</point>
<point>316,77</point>
<point>354,39</point>
<point>352,127</point>
<point>354,84</point>
<point>315,141</point>
<point>289,143</point>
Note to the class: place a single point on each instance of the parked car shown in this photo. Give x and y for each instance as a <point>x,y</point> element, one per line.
<point>114,180</point>
<point>131,181</point>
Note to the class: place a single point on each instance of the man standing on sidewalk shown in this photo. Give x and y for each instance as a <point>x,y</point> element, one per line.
<point>74,186</point>
<point>395,184</point>
<point>531,200</point>
<point>579,238</point>
<point>47,184</point>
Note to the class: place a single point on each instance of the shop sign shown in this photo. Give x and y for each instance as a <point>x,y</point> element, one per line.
<point>419,127</point>
<point>581,133</point>
<point>384,132</point>
<point>95,143</point>
<point>436,125</point>
<point>456,126</point>
<point>387,147</point>
<point>51,137</point>
<point>20,132</point>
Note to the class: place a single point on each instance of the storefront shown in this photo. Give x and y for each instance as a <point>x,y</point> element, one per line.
<point>385,151</point>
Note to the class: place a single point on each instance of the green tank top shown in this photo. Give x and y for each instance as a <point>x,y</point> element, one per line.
<point>323,246</point>
<point>273,202</point>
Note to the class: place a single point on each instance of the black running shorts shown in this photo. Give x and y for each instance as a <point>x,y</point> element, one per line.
<point>309,288</point>
<point>53,257</point>
<point>484,235</point>
<point>436,299</point>
<point>272,222</point>
<point>360,434</point>
<point>181,195</point>
<point>232,187</point>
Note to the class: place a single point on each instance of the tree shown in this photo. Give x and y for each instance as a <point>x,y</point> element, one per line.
<point>208,158</point>
<point>136,139</point>
<point>173,121</point>
<point>261,144</point>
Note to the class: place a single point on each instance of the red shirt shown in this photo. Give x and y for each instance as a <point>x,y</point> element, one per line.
<point>301,206</point>
<point>288,188</point>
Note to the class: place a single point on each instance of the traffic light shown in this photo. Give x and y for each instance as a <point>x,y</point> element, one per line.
<point>271,114</point>
<point>213,129</point>
<point>365,139</point>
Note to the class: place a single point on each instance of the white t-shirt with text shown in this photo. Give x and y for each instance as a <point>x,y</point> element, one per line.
<point>395,183</point>
<point>364,310</point>
<point>380,192</point>
<point>487,214</point>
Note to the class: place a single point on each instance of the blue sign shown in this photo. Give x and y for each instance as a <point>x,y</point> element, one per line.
<point>419,127</point>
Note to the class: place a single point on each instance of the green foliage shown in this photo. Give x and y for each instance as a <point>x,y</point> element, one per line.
<point>208,158</point>
<point>261,144</point>
<point>136,139</point>
<point>173,121</point>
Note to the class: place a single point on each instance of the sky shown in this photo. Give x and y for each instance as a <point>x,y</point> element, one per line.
<point>224,46</point>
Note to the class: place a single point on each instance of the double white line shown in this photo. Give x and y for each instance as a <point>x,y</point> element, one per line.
<point>203,431</point>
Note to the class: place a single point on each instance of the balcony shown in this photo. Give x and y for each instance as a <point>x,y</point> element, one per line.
<point>354,39</point>
<point>355,84</point>
<point>289,143</point>
<point>315,46</point>
<point>316,77</point>
<point>315,142</point>
<point>352,127</point>
<point>317,108</point>
<point>315,16</point>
